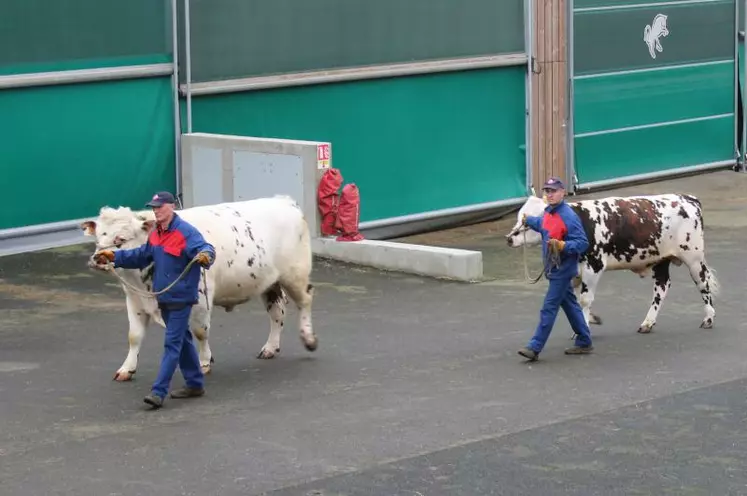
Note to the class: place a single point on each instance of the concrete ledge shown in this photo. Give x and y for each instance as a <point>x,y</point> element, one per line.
<point>448,263</point>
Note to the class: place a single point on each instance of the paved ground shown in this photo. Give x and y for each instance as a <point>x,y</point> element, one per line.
<point>416,388</point>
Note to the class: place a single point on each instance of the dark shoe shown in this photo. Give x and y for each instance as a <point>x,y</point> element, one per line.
<point>154,401</point>
<point>187,393</point>
<point>579,350</point>
<point>529,354</point>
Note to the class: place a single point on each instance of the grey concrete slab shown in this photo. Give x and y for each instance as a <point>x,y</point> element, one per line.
<point>687,444</point>
<point>407,369</point>
<point>434,261</point>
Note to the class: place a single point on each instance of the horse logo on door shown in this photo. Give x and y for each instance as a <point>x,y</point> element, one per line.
<point>653,32</point>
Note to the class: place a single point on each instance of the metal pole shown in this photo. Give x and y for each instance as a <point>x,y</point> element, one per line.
<point>735,95</point>
<point>570,163</point>
<point>744,76</point>
<point>529,48</point>
<point>188,63</point>
<point>175,85</point>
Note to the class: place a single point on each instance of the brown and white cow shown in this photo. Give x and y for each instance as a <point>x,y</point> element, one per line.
<point>643,234</point>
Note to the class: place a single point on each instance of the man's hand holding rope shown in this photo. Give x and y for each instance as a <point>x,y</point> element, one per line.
<point>556,246</point>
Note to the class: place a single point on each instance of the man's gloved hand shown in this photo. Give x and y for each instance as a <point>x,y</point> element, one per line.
<point>103,256</point>
<point>523,219</point>
<point>203,258</point>
<point>556,245</point>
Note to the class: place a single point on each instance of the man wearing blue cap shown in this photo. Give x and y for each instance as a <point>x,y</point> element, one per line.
<point>171,246</point>
<point>564,241</point>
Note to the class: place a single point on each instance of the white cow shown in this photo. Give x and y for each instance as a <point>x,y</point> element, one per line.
<point>643,234</point>
<point>262,249</point>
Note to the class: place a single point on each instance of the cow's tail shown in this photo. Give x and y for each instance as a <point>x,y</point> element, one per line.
<point>713,283</point>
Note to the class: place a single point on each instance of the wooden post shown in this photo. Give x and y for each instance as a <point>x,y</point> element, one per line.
<point>549,90</point>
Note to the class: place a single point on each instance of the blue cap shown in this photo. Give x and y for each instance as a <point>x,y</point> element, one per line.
<point>553,183</point>
<point>160,198</point>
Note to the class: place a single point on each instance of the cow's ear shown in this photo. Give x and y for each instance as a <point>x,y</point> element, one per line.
<point>89,227</point>
<point>147,225</point>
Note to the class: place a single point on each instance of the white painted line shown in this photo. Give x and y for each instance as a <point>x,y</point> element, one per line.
<point>658,124</point>
<point>647,5</point>
<point>654,69</point>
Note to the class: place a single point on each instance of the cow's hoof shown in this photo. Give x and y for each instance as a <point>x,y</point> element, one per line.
<point>595,319</point>
<point>310,344</point>
<point>267,353</point>
<point>707,324</point>
<point>206,369</point>
<point>645,329</point>
<point>123,375</point>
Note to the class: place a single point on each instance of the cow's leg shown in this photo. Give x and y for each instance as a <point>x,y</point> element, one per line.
<point>138,319</point>
<point>302,293</point>
<point>199,325</point>
<point>662,283</point>
<point>586,290</point>
<point>707,284</point>
<point>273,299</point>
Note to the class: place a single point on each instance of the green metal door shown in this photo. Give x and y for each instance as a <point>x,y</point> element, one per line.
<point>653,87</point>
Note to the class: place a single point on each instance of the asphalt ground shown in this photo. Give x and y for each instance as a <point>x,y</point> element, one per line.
<point>415,389</point>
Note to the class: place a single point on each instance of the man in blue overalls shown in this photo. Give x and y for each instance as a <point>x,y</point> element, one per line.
<point>171,245</point>
<point>563,240</point>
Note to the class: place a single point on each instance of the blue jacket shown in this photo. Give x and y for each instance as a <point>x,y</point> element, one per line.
<point>171,250</point>
<point>561,222</point>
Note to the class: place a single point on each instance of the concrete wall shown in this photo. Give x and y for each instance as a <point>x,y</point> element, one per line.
<point>223,168</point>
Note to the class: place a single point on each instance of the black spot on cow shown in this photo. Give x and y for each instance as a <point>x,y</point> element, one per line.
<point>309,288</point>
<point>235,229</point>
<point>238,285</point>
<point>592,254</point>
<point>146,274</point>
<point>272,295</point>
<point>683,213</point>
<point>684,247</point>
<point>250,262</point>
<point>253,276</point>
<point>636,225</point>
<point>230,263</point>
<point>703,272</point>
<point>236,213</point>
<point>687,238</point>
<point>248,230</point>
<point>661,279</point>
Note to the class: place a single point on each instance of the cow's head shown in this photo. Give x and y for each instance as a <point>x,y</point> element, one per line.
<point>119,228</point>
<point>533,207</point>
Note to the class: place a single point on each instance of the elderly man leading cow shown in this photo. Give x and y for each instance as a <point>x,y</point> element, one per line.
<point>263,251</point>
<point>643,234</point>
<point>171,247</point>
<point>563,242</point>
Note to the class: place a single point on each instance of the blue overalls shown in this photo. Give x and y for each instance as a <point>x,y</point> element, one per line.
<point>171,250</point>
<point>560,222</point>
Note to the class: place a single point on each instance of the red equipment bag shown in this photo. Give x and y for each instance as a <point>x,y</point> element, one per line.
<point>328,200</point>
<point>348,213</point>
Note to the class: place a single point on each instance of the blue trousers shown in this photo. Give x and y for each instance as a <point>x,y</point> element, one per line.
<point>178,350</point>
<point>560,295</point>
